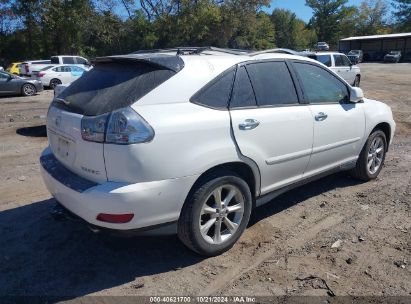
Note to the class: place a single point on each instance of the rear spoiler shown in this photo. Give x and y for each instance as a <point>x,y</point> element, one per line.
<point>170,62</point>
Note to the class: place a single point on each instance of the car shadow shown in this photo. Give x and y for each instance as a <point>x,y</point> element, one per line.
<point>64,259</point>
<point>302,193</point>
<point>36,131</point>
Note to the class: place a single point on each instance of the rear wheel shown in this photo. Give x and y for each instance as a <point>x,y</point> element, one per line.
<point>372,156</point>
<point>215,214</point>
<point>28,89</point>
<point>54,82</point>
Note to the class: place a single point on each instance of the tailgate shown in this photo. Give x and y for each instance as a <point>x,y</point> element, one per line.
<point>81,157</point>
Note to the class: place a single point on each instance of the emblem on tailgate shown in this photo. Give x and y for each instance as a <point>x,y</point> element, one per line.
<point>91,171</point>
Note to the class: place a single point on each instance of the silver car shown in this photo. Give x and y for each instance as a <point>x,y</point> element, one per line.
<point>13,84</point>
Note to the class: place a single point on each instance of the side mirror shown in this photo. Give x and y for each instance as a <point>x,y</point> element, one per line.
<point>356,94</point>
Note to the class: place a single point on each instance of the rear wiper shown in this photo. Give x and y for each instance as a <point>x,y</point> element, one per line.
<point>62,100</point>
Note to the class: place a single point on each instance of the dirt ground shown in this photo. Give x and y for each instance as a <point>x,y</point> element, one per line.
<point>285,251</point>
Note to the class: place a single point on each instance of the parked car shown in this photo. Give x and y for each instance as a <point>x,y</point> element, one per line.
<point>341,65</point>
<point>27,68</point>
<point>13,84</point>
<point>60,74</point>
<point>13,68</point>
<point>355,56</point>
<point>68,59</point>
<point>322,46</point>
<point>393,56</point>
<point>196,142</point>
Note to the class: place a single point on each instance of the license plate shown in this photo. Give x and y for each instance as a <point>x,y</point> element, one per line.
<point>63,147</point>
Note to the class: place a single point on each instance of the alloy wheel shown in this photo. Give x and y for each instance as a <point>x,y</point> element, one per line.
<point>29,90</point>
<point>375,155</point>
<point>221,214</point>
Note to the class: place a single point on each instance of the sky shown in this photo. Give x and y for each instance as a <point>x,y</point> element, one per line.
<point>299,8</point>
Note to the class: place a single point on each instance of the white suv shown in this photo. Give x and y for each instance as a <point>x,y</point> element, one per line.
<point>340,64</point>
<point>197,141</point>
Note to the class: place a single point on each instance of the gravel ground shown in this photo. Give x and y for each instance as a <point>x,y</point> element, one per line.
<point>287,250</point>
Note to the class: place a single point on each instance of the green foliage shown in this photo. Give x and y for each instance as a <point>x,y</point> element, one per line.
<point>327,18</point>
<point>35,29</point>
<point>291,32</point>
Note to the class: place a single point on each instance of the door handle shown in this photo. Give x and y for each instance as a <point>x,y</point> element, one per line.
<point>249,124</point>
<point>321,116</point>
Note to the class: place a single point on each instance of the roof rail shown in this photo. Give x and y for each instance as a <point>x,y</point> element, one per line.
<point>277,50</point>
<point>194,50</point>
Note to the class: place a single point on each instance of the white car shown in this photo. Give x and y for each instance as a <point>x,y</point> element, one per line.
<point>69,59</point>
<point>197,141</point>
<point>340,64</point>
<point>60,74</point>
<point>322,46</point>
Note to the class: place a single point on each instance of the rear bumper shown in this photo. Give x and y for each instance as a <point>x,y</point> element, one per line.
<point>152,203</point>
<point>390,59</point>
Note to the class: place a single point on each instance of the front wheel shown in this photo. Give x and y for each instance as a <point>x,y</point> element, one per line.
<point>372,156</point>
<point>215,214</point>
<point>28,89</point>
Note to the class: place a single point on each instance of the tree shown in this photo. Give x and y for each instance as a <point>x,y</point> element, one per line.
<point>286,23</point>
<point>327,18</point>
<point>403,14</point>
<point>371,17</point>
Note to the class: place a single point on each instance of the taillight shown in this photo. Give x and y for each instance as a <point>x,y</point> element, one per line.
<point>123,126</point>
<point>41,74</point>
<point>93,127</point>
<point>26,67</point>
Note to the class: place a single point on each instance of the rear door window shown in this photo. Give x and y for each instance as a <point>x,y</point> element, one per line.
<point>68,60</point>
<point>338,60</point>
<point>243,94</point>
<point>324,59</point>
<point>272,83</point>
<point>112,85</point>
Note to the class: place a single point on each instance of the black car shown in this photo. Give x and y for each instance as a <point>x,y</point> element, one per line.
<point>13,84</point>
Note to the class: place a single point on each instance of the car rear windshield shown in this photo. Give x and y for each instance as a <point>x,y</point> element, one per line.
<point>110,86</point>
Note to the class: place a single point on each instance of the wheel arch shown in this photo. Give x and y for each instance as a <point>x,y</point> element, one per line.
<point>386,128</point>
<point>60,82</point>
<point>240,168</point>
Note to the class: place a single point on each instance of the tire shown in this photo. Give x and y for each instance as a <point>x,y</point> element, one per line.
<point>370,155</point>
<point>357,81</point>
<point>201,215</point>
<point>28,89</point>
<point>54,82</point>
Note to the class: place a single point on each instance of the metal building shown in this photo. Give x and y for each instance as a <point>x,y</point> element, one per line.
<point>376,46</point>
